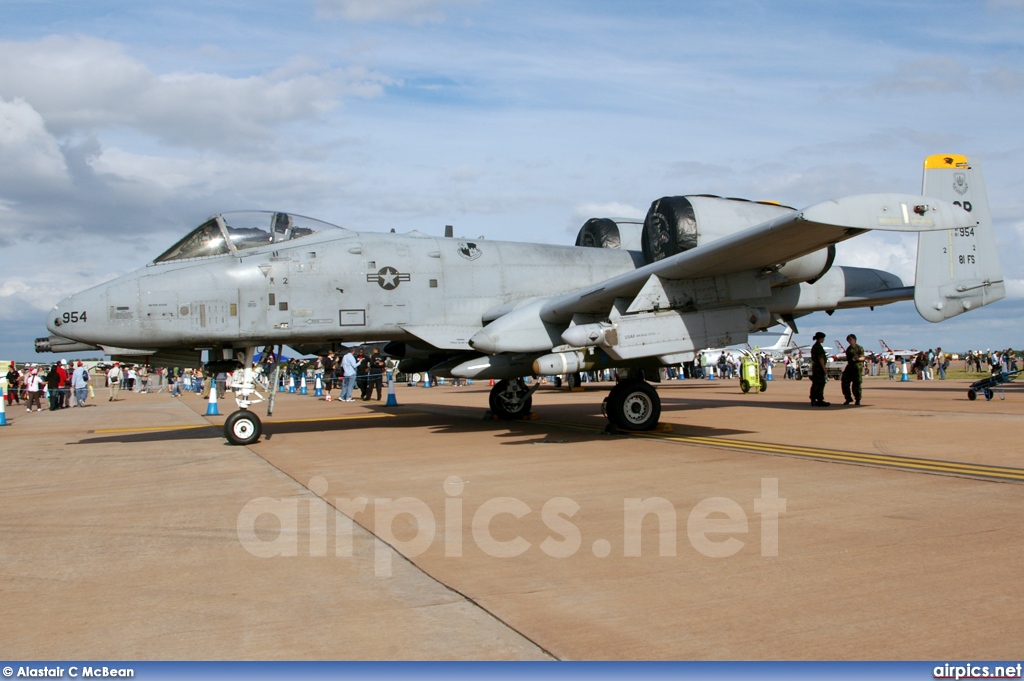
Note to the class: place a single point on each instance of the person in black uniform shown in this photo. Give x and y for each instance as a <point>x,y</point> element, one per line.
<point>375,377</point>
<point>854,370</point>
<point>329,364</point>
<point>363,374</point>
<point>818,375</point>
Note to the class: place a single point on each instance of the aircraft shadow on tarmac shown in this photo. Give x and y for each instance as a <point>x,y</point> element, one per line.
<point>690,404</point>
<point>554,426</point>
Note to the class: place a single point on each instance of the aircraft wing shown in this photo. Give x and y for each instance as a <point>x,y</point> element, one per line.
<point>769,244</point>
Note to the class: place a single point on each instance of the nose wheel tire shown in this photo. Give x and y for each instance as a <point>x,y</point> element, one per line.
<point>634,405</point>
<point>243,428</point>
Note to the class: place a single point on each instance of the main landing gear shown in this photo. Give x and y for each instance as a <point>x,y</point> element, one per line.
<point>632,405</point>
<point>511,399</point>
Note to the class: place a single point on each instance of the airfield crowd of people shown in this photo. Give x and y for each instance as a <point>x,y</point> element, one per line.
<point>355,368</point>
<point>63,384</point>
<point>925,365</point>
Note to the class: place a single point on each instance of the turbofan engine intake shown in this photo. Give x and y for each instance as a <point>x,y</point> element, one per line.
<point>675,224</point>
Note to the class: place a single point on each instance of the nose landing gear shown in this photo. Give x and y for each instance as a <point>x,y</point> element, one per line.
<point>243,427</point>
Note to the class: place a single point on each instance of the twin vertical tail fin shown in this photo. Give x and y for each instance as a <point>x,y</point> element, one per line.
<point>957,270</point>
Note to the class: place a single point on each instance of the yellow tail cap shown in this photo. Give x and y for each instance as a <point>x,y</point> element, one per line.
<point>946,161</point>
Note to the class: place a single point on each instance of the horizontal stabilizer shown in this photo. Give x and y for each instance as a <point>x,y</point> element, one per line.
<point>888,212</point>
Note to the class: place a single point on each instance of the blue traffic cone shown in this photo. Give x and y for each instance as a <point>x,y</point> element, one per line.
<point>392,401</point>
<point>768,377</point>
<point>318,387</point>
<point>302,389</point>
<point>426,380</point>
<point>3,414</point>
<point>904,377</point>
<point>211,406</point>
<point>291,384</point>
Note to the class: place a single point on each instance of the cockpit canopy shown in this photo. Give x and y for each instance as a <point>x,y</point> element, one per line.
<point>241,230</point>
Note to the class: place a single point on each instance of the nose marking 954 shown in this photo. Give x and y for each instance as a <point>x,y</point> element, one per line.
<point>71,318</point>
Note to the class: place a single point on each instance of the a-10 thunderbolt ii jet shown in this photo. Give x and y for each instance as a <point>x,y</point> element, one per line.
<point>708,272</point>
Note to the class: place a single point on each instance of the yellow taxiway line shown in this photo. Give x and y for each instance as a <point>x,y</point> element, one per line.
<point>904,463</point>
<point>972,470</point>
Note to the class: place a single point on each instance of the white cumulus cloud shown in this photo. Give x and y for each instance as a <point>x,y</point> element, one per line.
<point>80,84</point>
<point>30,157</point>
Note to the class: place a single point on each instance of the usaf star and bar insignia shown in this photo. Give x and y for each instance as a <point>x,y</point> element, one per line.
<point>388,278</point>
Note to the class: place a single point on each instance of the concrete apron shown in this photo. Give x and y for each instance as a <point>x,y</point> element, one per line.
<point>128,544</point>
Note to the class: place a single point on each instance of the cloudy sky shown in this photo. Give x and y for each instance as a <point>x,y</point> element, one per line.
<point>124,124</point>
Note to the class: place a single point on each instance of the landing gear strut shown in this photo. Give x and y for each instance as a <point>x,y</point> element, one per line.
<point>243,427</point>
<point>633,405</point>
<point>511,399</point>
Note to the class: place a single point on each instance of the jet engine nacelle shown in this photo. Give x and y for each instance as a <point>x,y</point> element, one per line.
<point>678,223</point>
<point>608,233</point>
<point>807,268</point>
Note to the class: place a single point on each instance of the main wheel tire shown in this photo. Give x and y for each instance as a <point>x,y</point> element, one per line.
<point>634,405</point>
<point>744,385</point>
<point>972,394</point>
<point>510,399</point>
<point>243,428</point>
<point>989,394</point>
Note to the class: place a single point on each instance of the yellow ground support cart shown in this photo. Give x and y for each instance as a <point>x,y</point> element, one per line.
<point>750,374</point>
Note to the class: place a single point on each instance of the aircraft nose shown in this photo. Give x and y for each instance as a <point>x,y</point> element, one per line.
<point>54,323</point>
<point>77,316</point>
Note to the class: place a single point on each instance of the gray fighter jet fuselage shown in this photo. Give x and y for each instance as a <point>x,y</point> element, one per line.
<point>339,285</point>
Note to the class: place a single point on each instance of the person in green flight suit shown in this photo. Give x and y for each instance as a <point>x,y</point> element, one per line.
<point>853,372</point>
